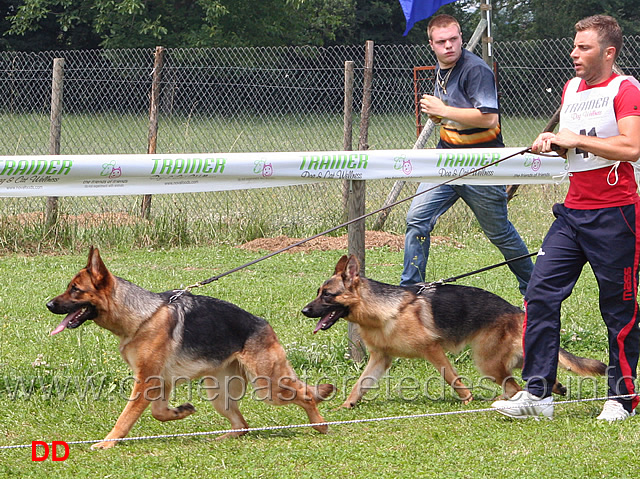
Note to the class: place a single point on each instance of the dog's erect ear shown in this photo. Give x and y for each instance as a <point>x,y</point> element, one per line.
<point>351,273</point>
<point>96,268</point>
<point>92,251</point>
<point>342,263</point>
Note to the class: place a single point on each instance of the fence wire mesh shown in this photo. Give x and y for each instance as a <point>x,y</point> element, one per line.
<point>242,100</point>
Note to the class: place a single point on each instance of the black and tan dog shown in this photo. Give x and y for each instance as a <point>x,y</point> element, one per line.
<point>192,337</point>
<point>425,321</point>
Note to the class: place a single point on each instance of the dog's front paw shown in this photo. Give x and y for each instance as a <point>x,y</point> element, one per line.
<point>103,445</point>
<point>231,435</point>
<point>323,429</point>
<point>347,405</point>
<point>185,410</point>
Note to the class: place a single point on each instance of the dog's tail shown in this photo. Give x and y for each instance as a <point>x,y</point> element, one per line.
<point>580,365</point>
<point>322,392</point>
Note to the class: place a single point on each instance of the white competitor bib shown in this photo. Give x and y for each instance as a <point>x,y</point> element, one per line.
<point>591,112</point>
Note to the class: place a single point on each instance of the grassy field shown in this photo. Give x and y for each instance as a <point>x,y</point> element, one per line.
<point>117,133</point>
<point>72,386</point>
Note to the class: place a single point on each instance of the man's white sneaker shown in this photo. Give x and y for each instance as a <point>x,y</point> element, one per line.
<point>524,405</point>
<point>614,411</point>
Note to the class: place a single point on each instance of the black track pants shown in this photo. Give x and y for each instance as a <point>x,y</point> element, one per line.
<point>606,239</point>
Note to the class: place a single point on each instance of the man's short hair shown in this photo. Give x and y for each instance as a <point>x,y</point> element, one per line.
<point>607,28</point>
<point>441,21</point>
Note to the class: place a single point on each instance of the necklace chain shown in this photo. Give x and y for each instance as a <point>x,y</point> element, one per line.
<point>442,82</point>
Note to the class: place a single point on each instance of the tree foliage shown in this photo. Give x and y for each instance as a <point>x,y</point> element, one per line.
<point>87,24</point>
<point>177,23</point>
<point>539,19</point>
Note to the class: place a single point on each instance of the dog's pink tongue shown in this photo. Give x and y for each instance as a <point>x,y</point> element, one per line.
<point>318,326</point>
<point>62,326</point>
<point>322,322</point>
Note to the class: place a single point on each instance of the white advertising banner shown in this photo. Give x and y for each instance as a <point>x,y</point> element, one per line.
<point>102,175</point>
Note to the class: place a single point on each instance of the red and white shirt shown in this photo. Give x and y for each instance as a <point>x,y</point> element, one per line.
<point>594,110</point>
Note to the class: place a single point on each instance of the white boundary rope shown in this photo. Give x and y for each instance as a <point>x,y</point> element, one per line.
<point>327,423</point>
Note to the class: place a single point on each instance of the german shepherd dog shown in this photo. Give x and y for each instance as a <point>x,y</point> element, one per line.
<point>425,321</point>
<point>191,337</point>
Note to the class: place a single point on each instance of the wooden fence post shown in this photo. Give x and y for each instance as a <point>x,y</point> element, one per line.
<point>347,141</point>
<point>51,212</point>
<point>357,196</point>
<point>153,119</point>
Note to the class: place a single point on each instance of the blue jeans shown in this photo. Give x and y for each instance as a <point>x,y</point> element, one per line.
<point>488,203</point>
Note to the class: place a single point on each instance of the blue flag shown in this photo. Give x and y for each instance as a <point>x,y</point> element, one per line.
<point>416,10</point>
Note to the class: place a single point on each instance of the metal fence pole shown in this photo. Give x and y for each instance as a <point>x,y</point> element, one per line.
<point>487,36</point>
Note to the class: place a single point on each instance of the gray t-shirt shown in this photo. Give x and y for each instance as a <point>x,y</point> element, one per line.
<point>469,84</point>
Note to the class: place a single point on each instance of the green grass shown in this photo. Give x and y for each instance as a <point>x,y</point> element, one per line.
<point>73,386</point>
<point>479,444</point>
<point>117,133</point>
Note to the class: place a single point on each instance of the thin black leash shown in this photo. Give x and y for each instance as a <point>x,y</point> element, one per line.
<point>453,279</point>
<point>486,268</point>
<point>342,225</point>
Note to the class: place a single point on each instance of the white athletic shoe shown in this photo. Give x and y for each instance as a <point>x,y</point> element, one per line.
<point>614,411</point>
<point>524,405</point>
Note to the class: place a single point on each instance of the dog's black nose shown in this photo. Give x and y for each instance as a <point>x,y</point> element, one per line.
<point>309,312</point>
<point>51,306</point>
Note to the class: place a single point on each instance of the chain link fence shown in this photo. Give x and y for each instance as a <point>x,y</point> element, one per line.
<point>248,99</point>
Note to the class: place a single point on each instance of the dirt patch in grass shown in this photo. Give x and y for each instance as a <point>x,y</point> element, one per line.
<point>373,239</point>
